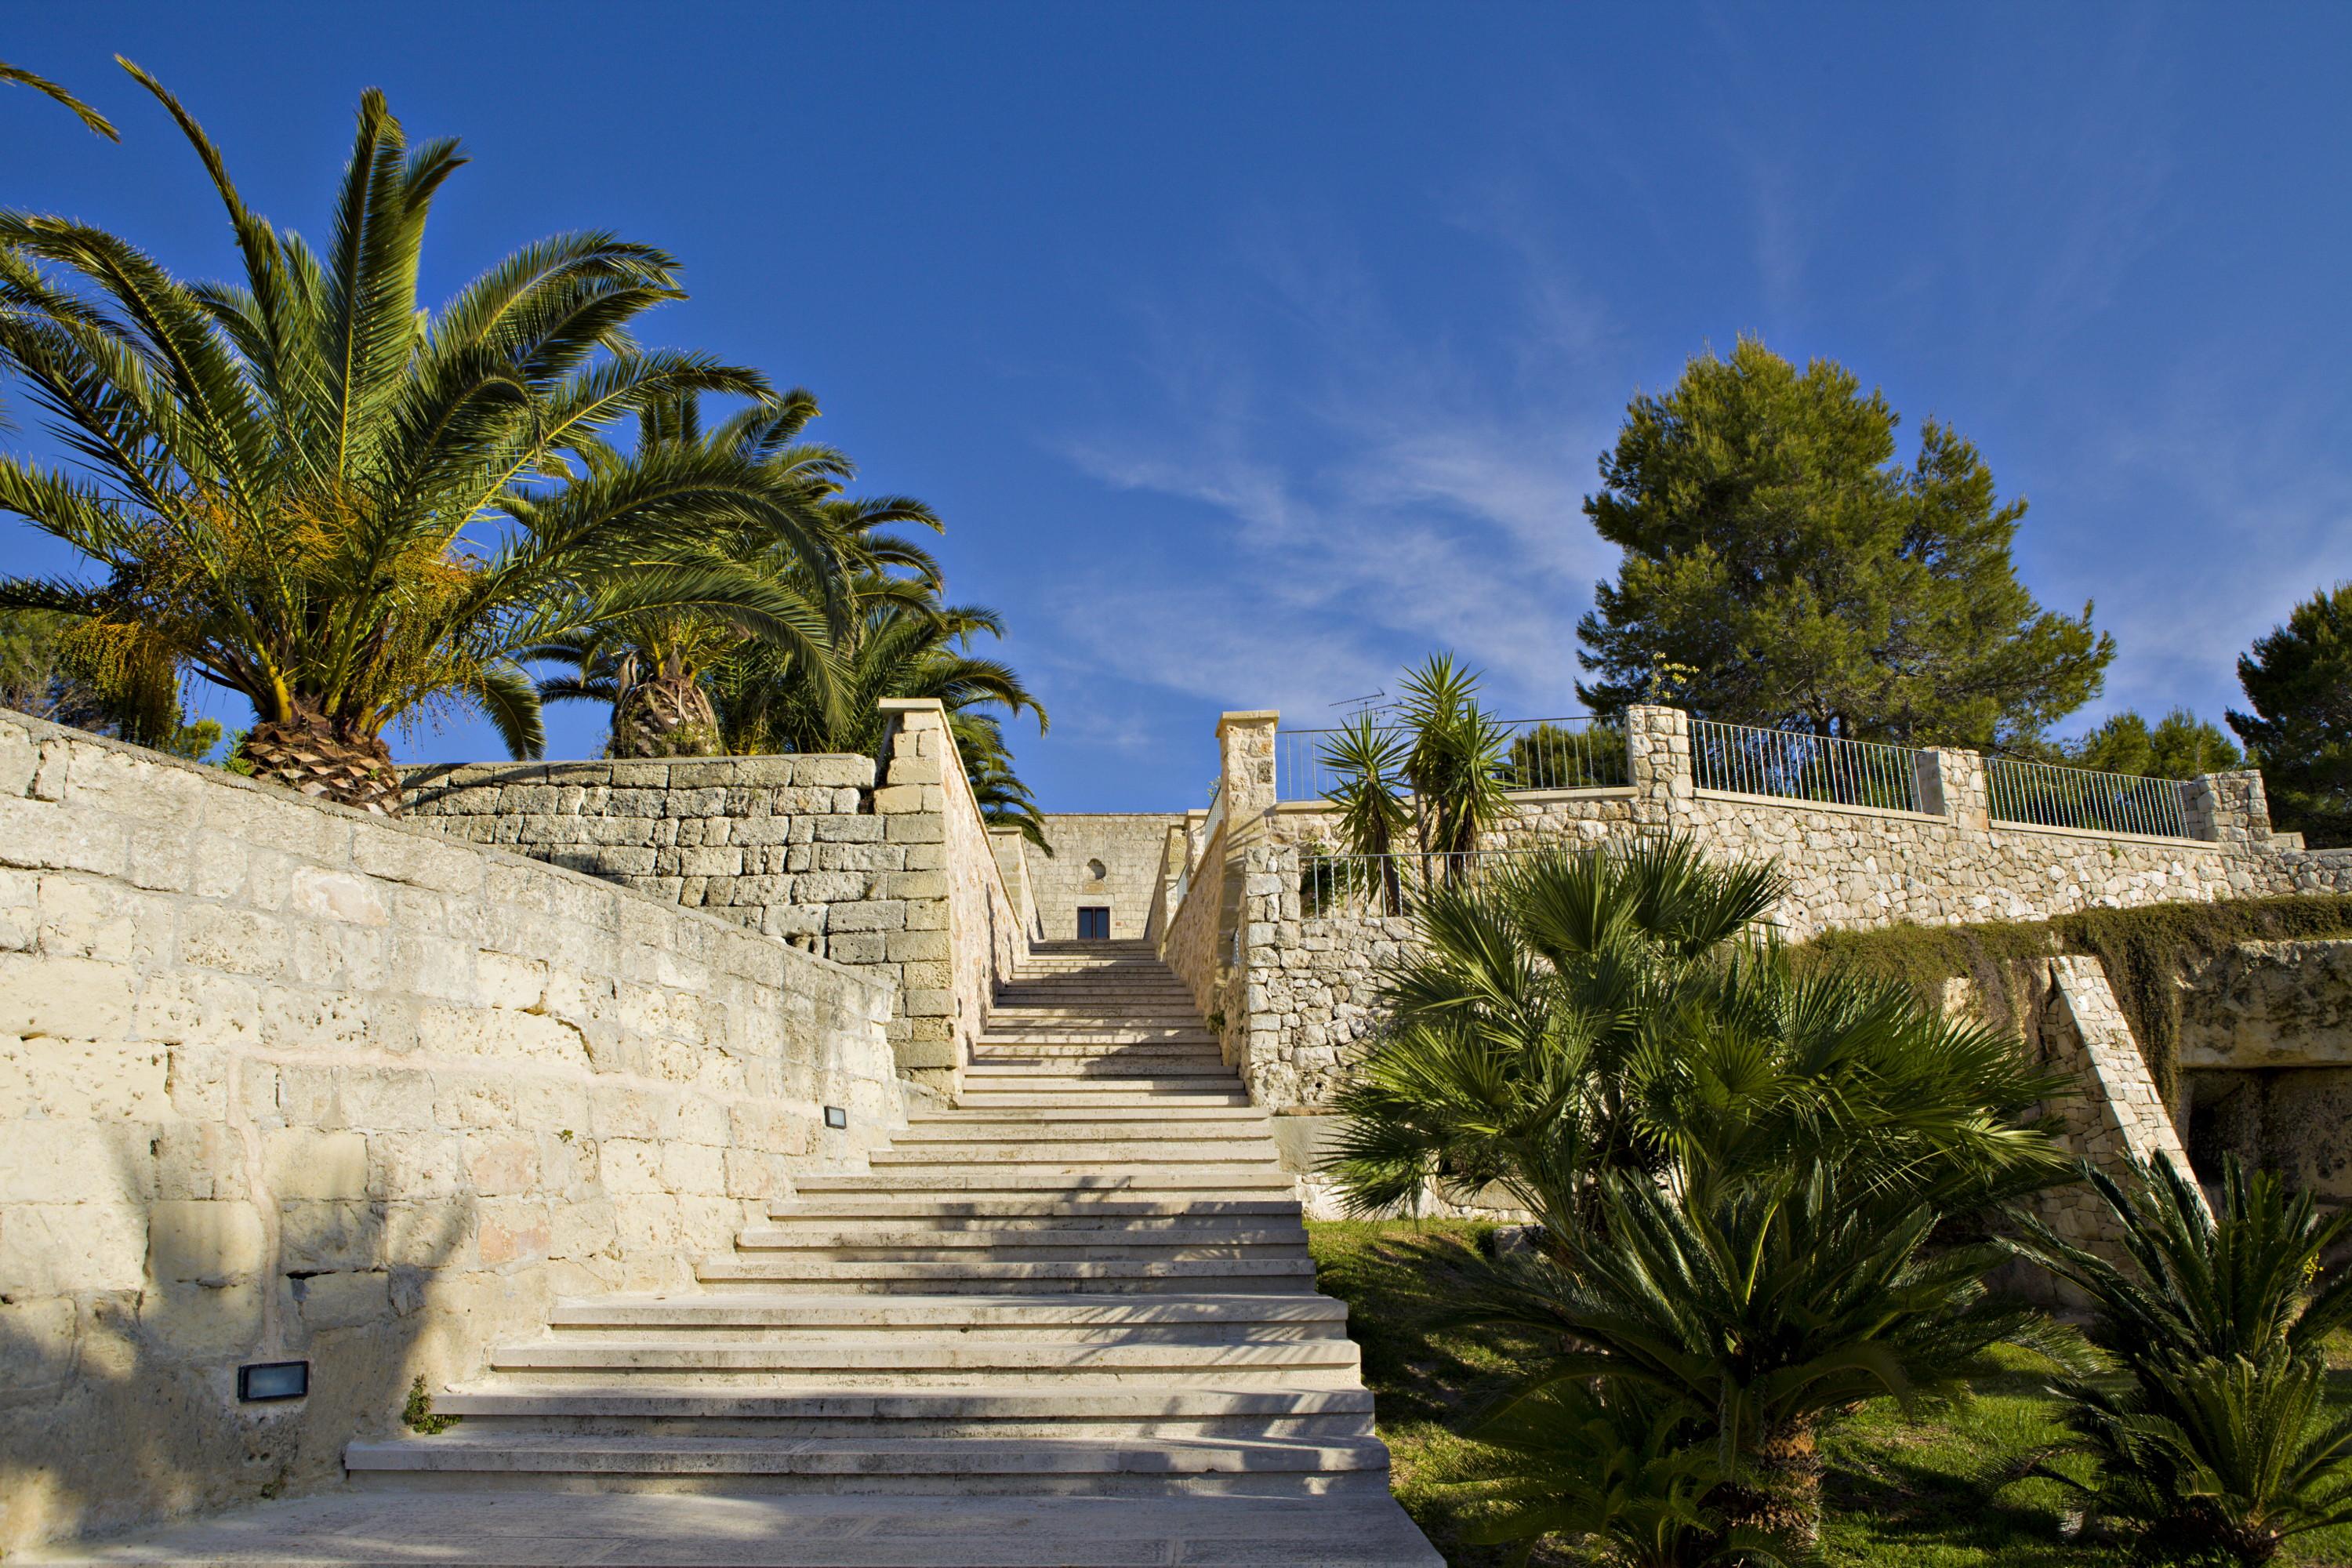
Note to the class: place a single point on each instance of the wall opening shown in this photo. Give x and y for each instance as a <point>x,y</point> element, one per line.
<point>1094,922</point>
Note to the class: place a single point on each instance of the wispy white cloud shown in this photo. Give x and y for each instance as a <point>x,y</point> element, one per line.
<point>1351,495</point>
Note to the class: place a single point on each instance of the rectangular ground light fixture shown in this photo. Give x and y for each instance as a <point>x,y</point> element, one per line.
<point>266,1380</point>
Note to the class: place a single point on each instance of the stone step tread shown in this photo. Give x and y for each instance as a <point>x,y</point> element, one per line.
<point>1084,1154</point>
<point>781,1237</point>
<point>1008,1401</point>
<point>1035,1210</point>
<point>965,1309</point>
<point>851,1456</point>
<point>776,1266</point>
<point>1158,1185</point>
<point>1201,1096</point>
<point>1070,1121</point>
<point>509,1528</point>
<point>945,1350</point>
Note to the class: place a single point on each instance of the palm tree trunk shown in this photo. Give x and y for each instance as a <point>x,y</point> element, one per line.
<point>1785,1499</point>
<point>669,715</point>
<point>315,755</point>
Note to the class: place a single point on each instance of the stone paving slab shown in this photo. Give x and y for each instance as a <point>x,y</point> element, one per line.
<point>624,1530</point>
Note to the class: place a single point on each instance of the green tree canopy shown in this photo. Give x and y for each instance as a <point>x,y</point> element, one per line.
<point>2298,679</point>
<point>2179,746</point>
<point>1776,546</point>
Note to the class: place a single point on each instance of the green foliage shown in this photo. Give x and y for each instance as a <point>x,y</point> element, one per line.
<point>1597,1010</point>
<point>96,123</point>
<point>417,1414</point>
<point>1551,756</point>
<point>2179,746</point>
<point>2298,681</point>
<point>1734,1319</point>
<point>1456,761</point>
<point>2217,1446</point>
<point>39,675</point>
<point>1367,758</point>
<point>2147,951</point>
<point>1775,545</point>
<point>313,490</point>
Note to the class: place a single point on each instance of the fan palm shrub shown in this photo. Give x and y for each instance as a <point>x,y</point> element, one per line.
<point>2217,1443</point>
<point>349,510</point>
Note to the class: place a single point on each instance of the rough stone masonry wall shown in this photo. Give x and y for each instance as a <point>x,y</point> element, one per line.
<point>1107,858</point>
<point>852,860</point>
<point>775,843</point>
<point>279,1079</point>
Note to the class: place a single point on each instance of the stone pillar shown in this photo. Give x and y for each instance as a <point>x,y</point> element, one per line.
<point>1658,766</point>
<point>1246,766</point>
<point>2227,808</point>
<point>918,943</point>
<point>1952,785</point>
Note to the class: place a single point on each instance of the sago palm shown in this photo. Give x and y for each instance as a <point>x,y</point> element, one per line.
<point>1760,1310</point>
<point>349,510</point>
<point>2219,1444</point>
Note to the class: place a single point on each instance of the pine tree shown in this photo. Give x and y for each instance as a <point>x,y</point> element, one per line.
<point>1775,545</point>
<point>2298,680</point>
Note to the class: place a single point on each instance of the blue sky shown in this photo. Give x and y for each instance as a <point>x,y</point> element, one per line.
<point>1251,351</point>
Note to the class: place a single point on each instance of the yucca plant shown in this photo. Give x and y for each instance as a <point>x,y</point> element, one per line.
<point>1367,758</point>
<point>349,510</point>
<point>2217,1442</point>
<point>1457,763</point>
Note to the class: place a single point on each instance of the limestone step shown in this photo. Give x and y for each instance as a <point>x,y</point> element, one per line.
<point>1247,1118</point>
<point>803,1238</point>
<point>1154,1184</point>
<point>1013,1245</point>
<point>995,1276</point>
<point>873,1464</point>
<point>1191,1035</point>
<point>1080,1156</point>
<point>1060,1408</point>
<point>1033,1073</point>
<point>1101,1096</point>
<point>1047,1209</point>
<point>1070,1313</point>
<point>932,1358</point>
<point>1152,1128</point>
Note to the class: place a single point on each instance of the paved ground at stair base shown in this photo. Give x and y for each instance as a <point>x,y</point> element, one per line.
<point>658,1530</point>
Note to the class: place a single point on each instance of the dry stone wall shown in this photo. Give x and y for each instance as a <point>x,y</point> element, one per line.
<point>283,1080</point>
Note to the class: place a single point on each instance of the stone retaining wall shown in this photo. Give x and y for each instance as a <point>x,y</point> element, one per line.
<point>281,1080</point>
<point>1106,859</point>
<point>887,867</point>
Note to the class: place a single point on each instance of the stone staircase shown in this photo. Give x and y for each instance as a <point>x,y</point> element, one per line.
<point>1088,1278</point>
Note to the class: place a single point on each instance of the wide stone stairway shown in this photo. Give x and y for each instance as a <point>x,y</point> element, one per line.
<point>1070,1319</point>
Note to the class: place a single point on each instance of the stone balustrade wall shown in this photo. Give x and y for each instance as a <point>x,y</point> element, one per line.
<point>280,1080</point>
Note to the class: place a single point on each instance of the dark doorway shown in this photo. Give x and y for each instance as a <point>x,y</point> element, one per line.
<point>1094,924</point>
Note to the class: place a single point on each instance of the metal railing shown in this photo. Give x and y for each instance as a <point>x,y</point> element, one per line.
<point>1341,884</point>
<point>2045,794</point>
<point>1792,763</point>
<point>1196,852</point>
<point>1574,752</point>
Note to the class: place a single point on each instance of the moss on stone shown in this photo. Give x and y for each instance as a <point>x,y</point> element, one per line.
<point>2148,952</point>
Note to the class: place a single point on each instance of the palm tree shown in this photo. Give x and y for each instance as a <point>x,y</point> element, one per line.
<point>655,671</point>
<point>1758,1311</point>
<point>2219,1443</point>
<point>1605,1009</point>
<point>353,511</point>
<point>97,123</point>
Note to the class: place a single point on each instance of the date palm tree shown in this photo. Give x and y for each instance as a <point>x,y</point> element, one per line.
<point>97,123</point>
<point>655,671</point>
<point>353,511</point>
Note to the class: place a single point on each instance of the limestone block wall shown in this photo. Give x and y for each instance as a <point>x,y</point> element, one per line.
<point>884,865</point>
<point>1106,858</point>
<point>283,1080</point>
<point>775,843</point>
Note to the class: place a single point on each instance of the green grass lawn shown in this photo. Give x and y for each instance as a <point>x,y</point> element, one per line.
<point>1931,1493</point>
